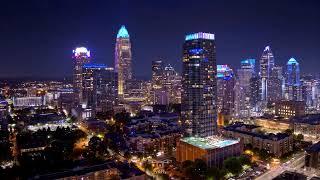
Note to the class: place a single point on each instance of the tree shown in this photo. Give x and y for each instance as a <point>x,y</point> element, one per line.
<point>244,160</point>
<point>147,166</point>
<point>263,154</point>
<point>232,165</point>
<point>188,168</point>
<point>97,148</point>
<point>122,118</point>
<point>288,131</point>
<point>299,137</point>
<point>200,167</point>
<point>214,173</point>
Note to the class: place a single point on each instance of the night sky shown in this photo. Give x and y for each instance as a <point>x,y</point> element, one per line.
<point>38,36</point>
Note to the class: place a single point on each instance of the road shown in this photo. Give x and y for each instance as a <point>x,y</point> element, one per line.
<point>293,164</point>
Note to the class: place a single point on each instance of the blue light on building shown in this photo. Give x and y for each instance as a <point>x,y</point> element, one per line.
<point>94,66</point>
<point>224,72</point>
<point>200,35</point>
<point>123,33</point>
<point>196,51</point>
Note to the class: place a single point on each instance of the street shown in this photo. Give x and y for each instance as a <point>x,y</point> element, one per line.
<point>294,164</point>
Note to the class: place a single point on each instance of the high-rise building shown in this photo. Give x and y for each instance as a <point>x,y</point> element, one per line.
<point>157,74</point>
<point>275,84</point>
<point>172,84</point>
<point>254,92</point>
<point>243,88</point>
<point>266,65</point>
<point>249,64</point>
<point>123,59</point>
<point>225,89</point>
<point>293,84</point>
<point>166,84</point>
<point>81,56</point>
<point>99,87</point>
<point>199,84</point>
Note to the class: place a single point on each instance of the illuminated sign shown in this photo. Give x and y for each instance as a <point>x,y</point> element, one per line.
<point>199,35</point>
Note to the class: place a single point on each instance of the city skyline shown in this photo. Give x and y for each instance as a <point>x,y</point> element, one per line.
<point>232,32</point>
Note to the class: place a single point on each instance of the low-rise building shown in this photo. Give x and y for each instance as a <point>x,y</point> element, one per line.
<point>308,125</point>
<point>213,150</point>
<point>153,134</point>
<point>288,109</point>
<point>277,144</point>
<point>273,124</point>
<point>313,156</point>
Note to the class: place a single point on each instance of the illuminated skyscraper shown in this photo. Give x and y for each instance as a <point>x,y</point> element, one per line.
<point>266,65</point>
<point>249,64</point>
<point>243,88</point>
<point>172,84</point>
<point>293,85</point>
<point>157,74</point>
<point>123,58</point>
<point>225,89</point>
<point>275,84</point>
<point>99,87</point>
<point>199,84</point>
<point>81,56</point>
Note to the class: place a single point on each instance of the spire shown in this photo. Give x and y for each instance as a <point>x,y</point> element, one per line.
<point>123,33</point>
<point>267,48</point>
<point>292,61</point>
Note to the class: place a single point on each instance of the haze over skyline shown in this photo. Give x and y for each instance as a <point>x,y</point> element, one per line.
<point>38,42</point>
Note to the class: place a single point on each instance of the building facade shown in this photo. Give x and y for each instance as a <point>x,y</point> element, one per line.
<point>277,144</point>
<point>288,109</point>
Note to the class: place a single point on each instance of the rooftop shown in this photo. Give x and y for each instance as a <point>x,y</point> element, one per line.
<point>312,119</point>
<point>211,142</point>
<point>123,33</point>
<point>314,148</point>
<point>199,35</point>
<point>249,130</point>
<point>292,61</point>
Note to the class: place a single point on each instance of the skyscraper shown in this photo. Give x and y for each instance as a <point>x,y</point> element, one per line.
<point>172,84</point>
<point>266,65</point>
<point>157,73</point>
<point>293,85</point>
<point>81,56</point>
<point>99,87</point>
<point>123,58</point>
<point>199,84</point>
<point>249,64</point>
<point>243,88</point>
<point>275,84</point>
<point>225,89</point>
